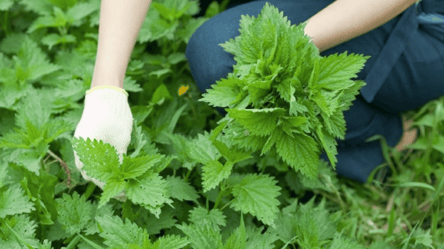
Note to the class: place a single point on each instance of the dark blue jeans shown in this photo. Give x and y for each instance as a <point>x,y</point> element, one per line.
<point>415,77</point>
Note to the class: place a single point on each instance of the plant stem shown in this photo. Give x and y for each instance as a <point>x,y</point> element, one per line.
<point>219,197</point>
<point>188,174</point>
<point>64,166</point>
<point>73,242</point>
<point>5,23</point>
<point>89,190</point>
<point>226,205</point>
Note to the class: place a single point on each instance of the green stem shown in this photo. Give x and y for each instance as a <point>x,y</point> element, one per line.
<point>73,242</point>
<point>188,175</point>
<point>89,190</point>
<point>226,205</point>
<point>221,194</point>
<point>18,237</point>
<point>5,23</point>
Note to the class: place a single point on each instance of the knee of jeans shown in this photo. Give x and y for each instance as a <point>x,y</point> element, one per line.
<point>194,53</point>
<point>203,75</point>
<point>206,60</point>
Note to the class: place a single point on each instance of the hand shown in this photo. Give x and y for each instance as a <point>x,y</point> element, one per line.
<point>107,117</point>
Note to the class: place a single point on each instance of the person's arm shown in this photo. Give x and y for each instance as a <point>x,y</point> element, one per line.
<point>344,20</point>
<point>120,23</point>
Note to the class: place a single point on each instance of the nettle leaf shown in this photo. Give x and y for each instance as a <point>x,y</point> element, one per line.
<point>202,237</point>
<point>118,234</point>
<point>5,5</point>
<point>100,159</point>
<point>202,217</point>
<point>259,122</point>
<point>24,228</point>
<point>237,136</point>
<point>202,150</point>
<point>170,242</point>
<point>329,144</point>
<point>74,212</point>
<point>237,238</point>
<point>113,187</point>
<point>13,201</point>
<point>307,225</point>
<point>321,102</point>
<point>336,70</point>
<point>342,242</point>
<point>151,190</point>
<point>314,224</point>
<point>335,124</point>
<point>182,147</point>
<point>226,92</point>
<point>271,141</point>
<point>231,154</point>
<point>256,194</point>
<point>213,173</point>
<point>135,167</point>
<point>287,90</point>
<point>300,152</point>
<point>256,238</point>
<point>180,189</point>
<point>31,62</point>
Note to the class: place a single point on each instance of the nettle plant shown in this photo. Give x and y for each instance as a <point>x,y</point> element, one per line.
<point>283,99</point>
<point>282,94</point>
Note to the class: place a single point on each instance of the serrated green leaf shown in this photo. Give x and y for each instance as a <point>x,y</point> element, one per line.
<point>100,159</point>
<point>236,135</point>
<point>13,202</point>
<point>202,237</point>
<point>329,144</point>
<point>300,152</point>
<point>135,167</point>
<point>214,172</point>
<point>202,150</point>
<point>74,212</point>
<point>171,242</point>
<point>256,238</point>
<point>19,231</point>
<point>214,218</point>
<point>337,70</point>
<point>342,242</point>
<point>238,238</point>
<point>181,189</point>
<point>259,122</point>
<point>112,188</point>
<point>231,154</point>
<point>116,233</point>
<point>256,194</point>
<point>225,92</point>
<point>150,190</point>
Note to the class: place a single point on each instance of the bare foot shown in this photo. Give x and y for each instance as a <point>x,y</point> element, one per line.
<point>408,137</point>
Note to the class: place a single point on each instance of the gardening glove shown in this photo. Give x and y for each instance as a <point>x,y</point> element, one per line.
<point>107,117</point>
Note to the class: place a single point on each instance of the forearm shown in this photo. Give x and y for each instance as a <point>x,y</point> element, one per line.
<point>120,23</point>
<point>344,20</point>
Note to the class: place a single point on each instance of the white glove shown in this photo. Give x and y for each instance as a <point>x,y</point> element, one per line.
<point>107,117</point>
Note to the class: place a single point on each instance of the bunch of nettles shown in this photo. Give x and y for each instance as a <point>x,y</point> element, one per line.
<point>283,94</point>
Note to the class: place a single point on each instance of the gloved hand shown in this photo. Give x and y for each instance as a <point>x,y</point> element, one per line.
<point>107,117</point>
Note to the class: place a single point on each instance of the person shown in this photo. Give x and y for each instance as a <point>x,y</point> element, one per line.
<point>393,73</point>
<point>405,40</point>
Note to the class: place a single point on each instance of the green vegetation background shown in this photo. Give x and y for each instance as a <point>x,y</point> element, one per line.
<point>47,55</point>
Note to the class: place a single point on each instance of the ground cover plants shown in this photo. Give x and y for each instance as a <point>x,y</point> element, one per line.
<point>194,179</point>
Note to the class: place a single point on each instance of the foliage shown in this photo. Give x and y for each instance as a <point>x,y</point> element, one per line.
<point>252,179</point>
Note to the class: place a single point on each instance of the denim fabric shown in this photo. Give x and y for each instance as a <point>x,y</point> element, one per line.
<point>411,62</point>
<point>377,109</point>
